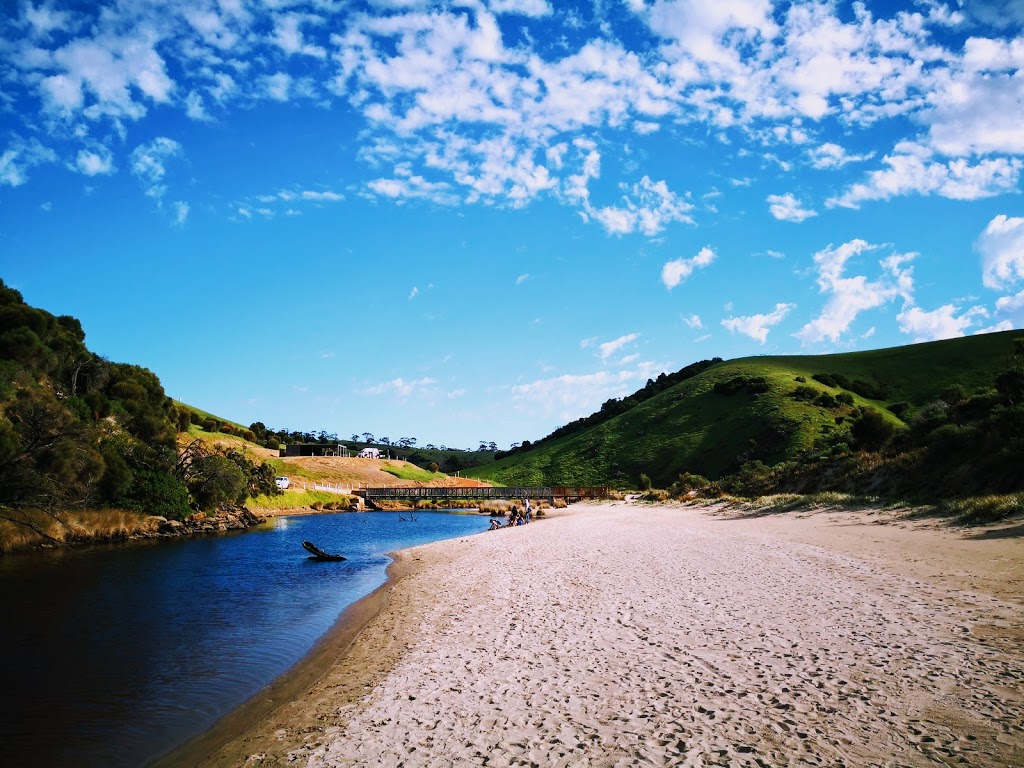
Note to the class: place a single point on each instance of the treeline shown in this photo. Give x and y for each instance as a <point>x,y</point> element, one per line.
<point>80,432</point>
<point>615,406</point>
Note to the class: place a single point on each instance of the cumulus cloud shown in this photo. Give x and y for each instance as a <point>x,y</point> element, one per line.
<point>181,209</point>
<point>1001,246</point>
<point>912,169</point>
<point>849,296</point>
<point>945,322</point>
<point>94,163</point>
<point>676,271</point>
<point>757,326</point>
<point>788,208</point>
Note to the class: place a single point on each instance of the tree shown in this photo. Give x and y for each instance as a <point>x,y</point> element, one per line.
<point>355,438</point>
<point>367,437</point>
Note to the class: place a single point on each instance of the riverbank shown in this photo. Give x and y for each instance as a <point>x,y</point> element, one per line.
<point>665,634</point>
<point>79,528</point>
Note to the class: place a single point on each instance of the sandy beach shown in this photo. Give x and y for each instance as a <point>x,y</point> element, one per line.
<point>636,635</point>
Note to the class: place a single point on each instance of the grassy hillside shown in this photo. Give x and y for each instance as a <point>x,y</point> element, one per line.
<point>754,415</point>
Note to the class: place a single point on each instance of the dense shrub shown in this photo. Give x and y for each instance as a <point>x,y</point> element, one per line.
<point>872,430</point>
<point>742,383</point>
<point>825,379</point>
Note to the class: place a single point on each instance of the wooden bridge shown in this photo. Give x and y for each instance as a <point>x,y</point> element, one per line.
<point>569,493</point>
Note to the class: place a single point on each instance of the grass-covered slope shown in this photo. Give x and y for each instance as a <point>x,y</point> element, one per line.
<point>692,427</point>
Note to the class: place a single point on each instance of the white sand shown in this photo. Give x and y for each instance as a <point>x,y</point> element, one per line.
<point>622,635</point>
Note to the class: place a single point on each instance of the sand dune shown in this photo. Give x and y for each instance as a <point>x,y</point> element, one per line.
<point>619,635</point>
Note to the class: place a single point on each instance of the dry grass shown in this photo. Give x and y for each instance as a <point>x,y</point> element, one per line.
<point>79,526</point>
<point>496,506</point>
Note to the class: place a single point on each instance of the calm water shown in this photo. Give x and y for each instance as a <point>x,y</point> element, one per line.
<point>112,656</point>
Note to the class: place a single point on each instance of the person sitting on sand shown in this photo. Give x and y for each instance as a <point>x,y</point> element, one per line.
<point>495,524</point>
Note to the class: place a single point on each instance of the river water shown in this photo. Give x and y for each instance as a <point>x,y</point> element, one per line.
<point>114,655</point>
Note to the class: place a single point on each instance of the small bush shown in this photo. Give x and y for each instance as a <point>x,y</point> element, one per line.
<point>801,379</point>
<point>825,379</point>
<point>804,393</point>
<point>688,482</point>
<point>845,398</point>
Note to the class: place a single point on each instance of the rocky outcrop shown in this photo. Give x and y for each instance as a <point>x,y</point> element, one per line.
<point>224,519</point>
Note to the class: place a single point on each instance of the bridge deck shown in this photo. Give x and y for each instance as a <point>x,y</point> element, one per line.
<point>459,492</point>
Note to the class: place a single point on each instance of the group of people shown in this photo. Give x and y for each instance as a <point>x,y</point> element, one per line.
<point>515,517</point>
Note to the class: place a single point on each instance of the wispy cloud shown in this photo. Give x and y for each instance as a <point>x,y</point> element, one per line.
<point>609,348</point>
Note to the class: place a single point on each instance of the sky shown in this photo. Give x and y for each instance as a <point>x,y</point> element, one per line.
<point>477,221</point>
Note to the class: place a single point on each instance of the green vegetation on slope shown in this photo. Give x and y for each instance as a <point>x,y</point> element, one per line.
<point>78,432</point>
<point>766,410</point>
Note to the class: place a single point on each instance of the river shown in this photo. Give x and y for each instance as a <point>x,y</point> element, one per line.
<point>114,655</point>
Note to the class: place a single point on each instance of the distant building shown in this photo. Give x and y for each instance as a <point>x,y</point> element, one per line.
<point>315,449</point>
<point>369,453</point>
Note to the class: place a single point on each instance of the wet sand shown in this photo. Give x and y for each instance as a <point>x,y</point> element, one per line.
<point>623,635</point>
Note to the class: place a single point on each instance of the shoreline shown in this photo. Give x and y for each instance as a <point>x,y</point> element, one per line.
<point>328,651</point>
<point>377,668</point>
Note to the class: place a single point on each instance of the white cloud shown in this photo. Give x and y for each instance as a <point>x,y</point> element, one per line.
<point>100,162</point>
<point>849,296</point>
<point>1010,303</point>
<point>609,348</point>
<point>522,278</point>
<point>149,163</point>
<point>693,321</point>
<point>277,86</point>
<point>677,270</point>
<point>648,206</point>
<point>912,170</point>
<point>414,293</point>
<point>403,388</point>
<point>830,156</point>
<point>940,323</point>
<point>535,8</point>
<point>1001,246</point>
<point>787,208</point>
<point>757,326</point>
<point>571,396</point>
<point>289,38</point>
<point>1002,325</point>
<point>181,209</point>
<point>19,157</point>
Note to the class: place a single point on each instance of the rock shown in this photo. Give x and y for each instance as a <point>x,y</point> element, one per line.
<point>172,527</point>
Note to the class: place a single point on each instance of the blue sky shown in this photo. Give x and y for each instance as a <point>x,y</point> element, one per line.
<point>479,220</point>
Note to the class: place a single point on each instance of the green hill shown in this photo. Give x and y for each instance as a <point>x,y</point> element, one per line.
<point>766,409</point>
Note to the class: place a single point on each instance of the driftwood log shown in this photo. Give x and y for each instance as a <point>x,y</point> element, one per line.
<point>318,554</point>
